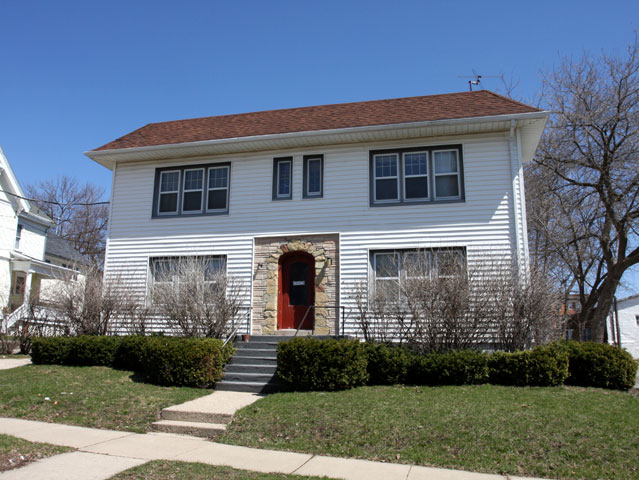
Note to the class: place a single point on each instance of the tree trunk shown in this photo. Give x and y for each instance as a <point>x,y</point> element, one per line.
<point>600,313</point>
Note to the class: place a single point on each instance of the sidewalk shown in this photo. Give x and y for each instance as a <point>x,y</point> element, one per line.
<point>103,453</point>
<point>7,363</point>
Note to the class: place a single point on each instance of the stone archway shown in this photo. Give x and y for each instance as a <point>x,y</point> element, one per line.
<point>324,249</point>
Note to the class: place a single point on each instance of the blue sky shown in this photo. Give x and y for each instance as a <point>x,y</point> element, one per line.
<point>77,74</point>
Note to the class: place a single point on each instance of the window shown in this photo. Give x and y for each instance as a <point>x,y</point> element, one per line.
<point>416,175</point>
<point>283,178</point>
<point>313,176</point>
<point>169,188</point>
<point>392,267</point>
<point>18,236</point>
<point>180,270</point>
<point>637,320</point>
<point>19,286</point>
<point>192,190</point>
<point>218,189</point>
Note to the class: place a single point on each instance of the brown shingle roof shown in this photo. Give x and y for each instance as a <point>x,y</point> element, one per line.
<point>324,117</point>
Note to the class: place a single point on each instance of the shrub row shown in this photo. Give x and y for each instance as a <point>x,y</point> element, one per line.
<point>193,362</point>
<point>310,364</point>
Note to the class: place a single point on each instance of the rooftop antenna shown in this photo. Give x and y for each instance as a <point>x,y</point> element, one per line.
<point>476,79</point>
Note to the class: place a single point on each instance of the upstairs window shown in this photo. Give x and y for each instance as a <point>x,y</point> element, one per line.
<point>416,175</point>
<point>192,190</point>
<point>283,178</point>
<point>169,188</point>
<point>18,237</point>
<point>313,176</point>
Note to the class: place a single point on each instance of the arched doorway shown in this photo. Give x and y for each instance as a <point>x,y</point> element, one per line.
<point>296,292</point>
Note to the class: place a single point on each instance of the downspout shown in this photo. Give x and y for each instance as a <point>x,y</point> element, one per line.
<point>514,167</point>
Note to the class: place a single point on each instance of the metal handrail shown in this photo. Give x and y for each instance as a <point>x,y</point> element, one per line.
<point>239,325</point>
<point>341,307</point>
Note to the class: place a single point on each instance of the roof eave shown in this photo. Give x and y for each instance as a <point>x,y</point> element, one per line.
<point>108,158</point>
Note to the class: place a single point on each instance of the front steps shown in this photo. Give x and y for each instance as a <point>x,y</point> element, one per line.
<point>252,368</point>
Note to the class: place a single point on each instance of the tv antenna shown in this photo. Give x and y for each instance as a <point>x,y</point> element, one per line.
<point>475,79</point>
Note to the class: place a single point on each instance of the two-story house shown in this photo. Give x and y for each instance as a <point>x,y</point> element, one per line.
<point>305,204</point>
<point>31,261</point>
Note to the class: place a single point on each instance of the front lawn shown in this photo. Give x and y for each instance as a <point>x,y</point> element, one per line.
<point>546,432</point>
<point>15,452</point>
<point>162,469</point>
<point>97,397</point>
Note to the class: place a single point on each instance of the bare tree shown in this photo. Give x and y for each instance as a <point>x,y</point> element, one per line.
<point>589,162</point>
<point>91,304</point>
<point>196,299</point>
<point>75,209</point>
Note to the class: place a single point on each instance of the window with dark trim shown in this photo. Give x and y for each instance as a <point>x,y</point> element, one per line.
<point>391,268</point>
<point>416,175</point>
<point>283,178</point>
<point>313,176</point>
<point>192,190</point>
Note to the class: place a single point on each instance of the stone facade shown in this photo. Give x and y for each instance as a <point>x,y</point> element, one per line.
<point>324,248</point>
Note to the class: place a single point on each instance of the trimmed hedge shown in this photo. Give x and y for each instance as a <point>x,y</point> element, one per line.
<point>305,364</point>
<point>194,362</point>
<point>600,365</point>
<point>311,364</point>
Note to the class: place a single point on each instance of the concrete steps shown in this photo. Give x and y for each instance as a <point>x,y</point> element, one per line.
<point>253,367</point>
<point>195,429</point>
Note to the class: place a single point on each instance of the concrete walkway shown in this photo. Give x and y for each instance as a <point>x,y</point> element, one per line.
<point>7,363</point>
<point>103,453</point>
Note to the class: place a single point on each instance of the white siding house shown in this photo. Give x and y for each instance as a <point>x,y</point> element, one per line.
<point>623,325</point>
<point>25,268</point>
<point>365,178</point>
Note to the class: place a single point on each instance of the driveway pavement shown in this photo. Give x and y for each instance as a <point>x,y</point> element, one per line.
<point>7,363</point>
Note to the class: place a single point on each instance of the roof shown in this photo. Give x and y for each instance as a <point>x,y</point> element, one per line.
<point>59,247</point>
<point>482,103</point>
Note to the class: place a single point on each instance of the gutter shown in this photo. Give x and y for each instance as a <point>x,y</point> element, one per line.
<point>98,155</point>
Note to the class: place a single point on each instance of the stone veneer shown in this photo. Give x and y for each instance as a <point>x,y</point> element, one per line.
<point>268,251</point>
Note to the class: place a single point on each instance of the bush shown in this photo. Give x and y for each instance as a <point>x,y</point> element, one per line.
<point>387,364</point>
<point>541,366</point>
<point>305,364</point>
<point>599,365</point>
<point>464,367</point>
<point>51,350</point>
<point>192,362</point>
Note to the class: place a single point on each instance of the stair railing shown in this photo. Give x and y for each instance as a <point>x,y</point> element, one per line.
<point>312,307</point>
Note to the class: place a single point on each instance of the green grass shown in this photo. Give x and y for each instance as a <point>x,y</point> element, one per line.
<point>97,397</point>
<point>547,432</point>
<point>161,469</point>
<point>15,452</point>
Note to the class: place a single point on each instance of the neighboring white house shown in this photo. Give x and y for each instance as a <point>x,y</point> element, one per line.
<point>304,204</point>
<point>624,328</point>
<point>26,262</point>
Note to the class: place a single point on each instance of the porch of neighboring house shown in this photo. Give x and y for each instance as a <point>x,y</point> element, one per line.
<point>31,279</point>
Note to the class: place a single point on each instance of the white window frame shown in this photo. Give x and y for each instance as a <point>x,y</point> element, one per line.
<point>375,177</point>
<point>185,191</point>
<point>316,193</point>
<point>288,195</point>
<point>160,192</point>
<point>427,175</point>
<point>397,279</point>
<point>209,188</point>
<point>458,174</point>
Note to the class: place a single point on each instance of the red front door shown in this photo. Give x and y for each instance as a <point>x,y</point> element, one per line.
<point>296,291</point>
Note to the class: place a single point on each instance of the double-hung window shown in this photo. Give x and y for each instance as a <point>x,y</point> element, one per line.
<point>313,176</point>
<point>169,192</point>
<point>416,175</point>
<point>392,268</point>
<point>192,190</point>
<point>180,271</point>
<point>283,178</point>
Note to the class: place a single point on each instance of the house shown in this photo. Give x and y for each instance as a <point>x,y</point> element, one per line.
<point>305,204</point>
<point>623,324</point>
<point>28,263</point>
